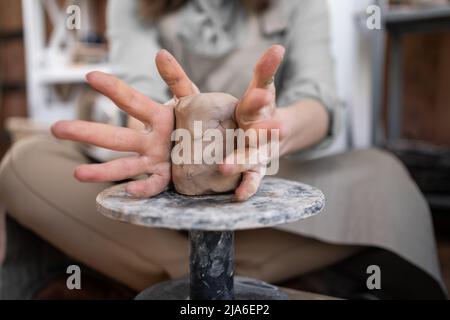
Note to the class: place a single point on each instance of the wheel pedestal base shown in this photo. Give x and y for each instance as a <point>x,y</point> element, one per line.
<point>244,289</point>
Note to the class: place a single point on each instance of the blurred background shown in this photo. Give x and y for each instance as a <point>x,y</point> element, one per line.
<point>393,81</point>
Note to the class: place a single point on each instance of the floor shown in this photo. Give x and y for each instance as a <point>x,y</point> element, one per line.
<point>442,229</point>
<point>444,256</point>
<point>441,222</point>
<point>4,143</point>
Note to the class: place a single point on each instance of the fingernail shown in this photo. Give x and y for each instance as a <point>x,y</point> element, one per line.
<point>89,76</point>
<point>165,53</point>
<point>281,50</point>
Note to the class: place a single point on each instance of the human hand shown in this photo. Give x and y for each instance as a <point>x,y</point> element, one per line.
<point>152,145</point>
<point>255,111</point>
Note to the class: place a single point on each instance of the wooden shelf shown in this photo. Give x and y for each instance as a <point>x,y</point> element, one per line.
<point>407,14</point>
<point>50,50</point>
<point>11,34</point>
<point>13,86</point>
<point>69,74</point>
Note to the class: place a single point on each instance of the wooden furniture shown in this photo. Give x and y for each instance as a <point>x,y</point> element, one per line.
<point>48,57</point>
<point>398,22</point>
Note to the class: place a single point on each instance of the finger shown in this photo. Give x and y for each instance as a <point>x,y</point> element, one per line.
<point>250,183</point>
<point>152,186</point>
<point>101,135</point>
<point>239,161</point>
<point>267,128</point>
<point>254,106</point>
<point>265,131</point>
<point>126,98</point>
<point>267,66</point>
<point>115,170</point>
<point>174,75</point>
<point>254,102</point>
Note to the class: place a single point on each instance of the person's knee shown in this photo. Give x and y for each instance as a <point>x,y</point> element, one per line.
<point>384,159</point>
<point>17,164</point>
<point>17,156</point>
<point>9,162</point>
<point>381,164</point>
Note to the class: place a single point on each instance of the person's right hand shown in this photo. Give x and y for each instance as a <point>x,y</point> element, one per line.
<point>152,145</point>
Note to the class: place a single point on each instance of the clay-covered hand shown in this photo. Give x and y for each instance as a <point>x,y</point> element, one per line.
<point>257,110</point>
<point>152,145</point>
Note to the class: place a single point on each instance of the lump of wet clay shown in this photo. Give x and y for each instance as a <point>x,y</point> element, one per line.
<point>213,111</point>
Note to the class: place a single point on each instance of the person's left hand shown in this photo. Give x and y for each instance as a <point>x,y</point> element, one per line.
<point>257,110</point>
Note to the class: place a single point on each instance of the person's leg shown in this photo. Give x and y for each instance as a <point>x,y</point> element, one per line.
<point>37,187</point>
<point>38,190</point>
<point>371,201</point>
<point>275,256</point>
<point>34,269</point>
<point>29,264</point>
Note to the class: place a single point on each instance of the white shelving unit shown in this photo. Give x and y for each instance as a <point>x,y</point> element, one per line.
<point>48,60</point>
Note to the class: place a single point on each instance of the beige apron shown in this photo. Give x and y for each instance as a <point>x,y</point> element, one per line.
<point>231,73</point>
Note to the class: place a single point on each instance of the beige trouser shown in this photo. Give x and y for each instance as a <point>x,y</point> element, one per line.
<point>39,191</point>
